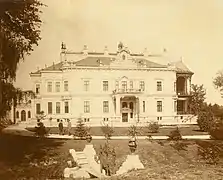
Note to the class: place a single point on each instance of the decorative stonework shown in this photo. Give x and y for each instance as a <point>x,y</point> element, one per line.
<point>132,163</point>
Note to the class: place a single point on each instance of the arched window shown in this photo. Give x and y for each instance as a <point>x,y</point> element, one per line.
<point>17,114</point>
<point>23,115</point>
<point>124,105</point>
<point>29,114</point>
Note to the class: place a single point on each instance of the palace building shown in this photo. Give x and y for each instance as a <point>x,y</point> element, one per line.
<point>121,88</point>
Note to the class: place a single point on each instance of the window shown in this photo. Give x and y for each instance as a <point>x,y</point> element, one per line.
<point>131,115</point>
<point>65,85</point>
<point>38,108</point>
<point>131,105</point>
<point>142,85</point>
<point>105,119</point>
<point>174,86</point>
<point>159,118</point>
<point>17,114</point>
<point>57,87</point>
<point>105,85</point>
<point>37,88</point>
<point>86,85</point>
<point>86,120</point>
<point>159,85</point>
<point>175,106</point>
<point>144,106</point>
<point>58,107</point>
<point>159,106</point>
<point>124,85</point>
<point>124,105</point>
<point>66,107</point>
<point>105,107</point>
<point>86,106</point>
<point>50,107</point>
<point>116,85</point>
<point>29,114</point>
<point>131,84</point>
<point>49,87</point>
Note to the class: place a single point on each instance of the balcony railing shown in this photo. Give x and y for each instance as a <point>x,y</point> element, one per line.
<point>117,91</point>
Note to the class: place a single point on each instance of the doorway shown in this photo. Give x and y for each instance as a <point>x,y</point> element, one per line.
<point>124,117</point>
<point>23,115</point>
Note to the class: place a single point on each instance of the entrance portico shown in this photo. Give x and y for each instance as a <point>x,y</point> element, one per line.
<point>127,107</point>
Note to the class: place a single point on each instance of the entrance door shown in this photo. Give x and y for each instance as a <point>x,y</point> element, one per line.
<point>23,115</point>
<point>124,117</point>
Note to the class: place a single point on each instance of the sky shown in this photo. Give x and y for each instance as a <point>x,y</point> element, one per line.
<point>189,29</point>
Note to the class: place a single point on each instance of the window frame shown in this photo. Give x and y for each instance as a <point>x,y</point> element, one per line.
<point>66,107</point>
<point>159,106</point>
<point>142,85</point>
<point>105,106</point>
<point>48,108</point>
<point>86,85</point>
<point>105,85</point>
<point>159,85</point>
<point>86,106</point>
<point>66,86</point>
<point>49,86</point>
<point>58,108</point>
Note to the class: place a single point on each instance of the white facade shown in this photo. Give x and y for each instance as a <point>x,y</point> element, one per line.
<point>121,88</point>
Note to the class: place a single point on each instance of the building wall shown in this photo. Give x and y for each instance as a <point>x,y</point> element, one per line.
<point>96,95</point>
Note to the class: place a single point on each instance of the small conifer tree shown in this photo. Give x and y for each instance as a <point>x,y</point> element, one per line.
<point>81,130</point>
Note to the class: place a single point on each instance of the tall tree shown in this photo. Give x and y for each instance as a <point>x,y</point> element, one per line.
<point>218,81</point>
<point>19,31</point>
<point>198,97</point>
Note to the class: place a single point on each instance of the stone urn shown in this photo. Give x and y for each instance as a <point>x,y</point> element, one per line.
<point>132,145</point>
<point>88,138</point>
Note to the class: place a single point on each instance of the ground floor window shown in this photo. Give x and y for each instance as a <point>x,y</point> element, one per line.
<point>29,114</point>
<point>86,119</point>
<point>58,107</point>
<point>38,108</point>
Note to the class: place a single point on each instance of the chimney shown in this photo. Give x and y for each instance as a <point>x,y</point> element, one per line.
<point>63,47</point>
<point>106,50</point>
<point>145,52</point>
<point>85,50</point>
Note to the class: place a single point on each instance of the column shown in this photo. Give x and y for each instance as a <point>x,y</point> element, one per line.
<point>117,105</point>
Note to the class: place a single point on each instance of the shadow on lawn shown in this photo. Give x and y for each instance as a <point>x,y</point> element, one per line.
<point>30,157</point>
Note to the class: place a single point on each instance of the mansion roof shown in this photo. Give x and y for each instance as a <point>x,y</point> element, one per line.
<point>122,58</point>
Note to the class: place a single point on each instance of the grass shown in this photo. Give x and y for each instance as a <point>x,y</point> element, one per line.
<point>123,131</point>
<point>33,158</point>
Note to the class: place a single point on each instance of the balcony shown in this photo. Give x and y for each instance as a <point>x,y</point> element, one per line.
<point>127,91</point>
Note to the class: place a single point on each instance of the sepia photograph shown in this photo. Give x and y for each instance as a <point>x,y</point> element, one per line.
<point>111,89</point>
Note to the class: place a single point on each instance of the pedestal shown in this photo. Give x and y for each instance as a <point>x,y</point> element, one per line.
<point>132,162</point>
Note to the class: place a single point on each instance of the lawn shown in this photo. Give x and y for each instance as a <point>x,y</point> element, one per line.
<point>123,131</point>
<point>32,158</point>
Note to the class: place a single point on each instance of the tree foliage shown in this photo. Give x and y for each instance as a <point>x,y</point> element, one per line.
<point>19,31</point>
<point>81,130</point>
<point>218,81</point>
<point>197,99</point>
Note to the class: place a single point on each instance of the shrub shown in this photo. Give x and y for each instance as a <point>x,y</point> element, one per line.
<point>107,131</point>
<point>216,131</point>
<point>133,131</point>
<point>41,130</point>
<point>205,120</point>
<point>107,157</point>
<point>175,135</point>
<point>153,127</point>
<point>81,130</point>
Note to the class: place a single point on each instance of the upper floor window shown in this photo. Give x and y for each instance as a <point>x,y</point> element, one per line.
<point>131,84</point>
<point>86,85</point>
<point>86,107</point>
<point>49,87</point>
<point>144,106</point>
<point>66,107</point>
<point>65,85</point>
<point>58,107</point>
<point>159,106</point>
<point>142,85</point>
<point>159,85</point>
<point>37,88</point>
<point>105,85</point>
<point>50,107</point>
<point>124,85</point>
<point>38,108</point>
<point>105,107</point>
<point>57,87</point>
